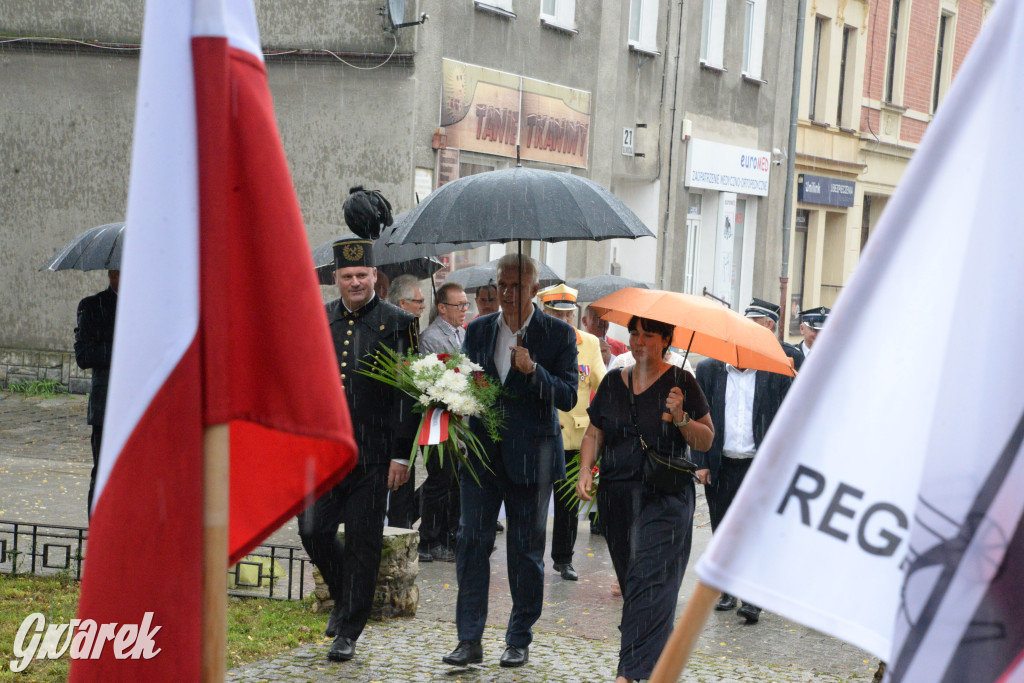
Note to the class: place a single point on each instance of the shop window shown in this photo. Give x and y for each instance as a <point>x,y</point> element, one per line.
<point>712,37</point>
<point>753,38</point>
<point>643,26</point>
<point>559,13</point>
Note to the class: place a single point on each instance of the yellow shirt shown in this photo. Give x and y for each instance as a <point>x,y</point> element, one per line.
<point>591,365</point>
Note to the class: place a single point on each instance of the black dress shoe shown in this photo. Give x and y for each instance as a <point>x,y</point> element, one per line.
<point>515,656</point>
<point>342,650</point>
<point>567,571</point>
<point>749,612</point>
<point>443,554</point>
<point>333,618</point>
<point>725,603</point>
<point>467,652</point>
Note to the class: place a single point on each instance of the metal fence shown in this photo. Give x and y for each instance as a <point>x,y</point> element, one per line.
<point>279,572</point>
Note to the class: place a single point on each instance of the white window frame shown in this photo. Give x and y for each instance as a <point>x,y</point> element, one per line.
<point>753,37</point>
<point>712,37</point>
<point>497,6</point>
<point>946,67</point>
<point>564,16</point>
<point>647,31</point>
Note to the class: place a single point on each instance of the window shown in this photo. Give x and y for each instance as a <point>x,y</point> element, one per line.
<point>943,58</point>
<point>890,65</point>
<point>712,37</point>
<point>560,13</point>
<point>847,59</point>
<point>753,37</point>
<point>503,7</point>
<point>818,47</point>
<point>643,25</point>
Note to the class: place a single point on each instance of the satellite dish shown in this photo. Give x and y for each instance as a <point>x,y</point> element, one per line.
<point>393,12</point>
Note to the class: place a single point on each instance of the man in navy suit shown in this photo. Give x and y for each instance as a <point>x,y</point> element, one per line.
<point>534,356</point>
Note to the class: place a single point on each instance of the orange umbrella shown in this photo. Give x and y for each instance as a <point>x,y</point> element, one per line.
<point>702,326</point>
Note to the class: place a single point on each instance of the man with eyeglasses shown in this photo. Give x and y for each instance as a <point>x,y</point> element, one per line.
<point>405,293</point>
<point>439,496</point>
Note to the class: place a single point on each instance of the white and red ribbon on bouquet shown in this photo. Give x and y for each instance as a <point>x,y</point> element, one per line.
<point>435,427</point>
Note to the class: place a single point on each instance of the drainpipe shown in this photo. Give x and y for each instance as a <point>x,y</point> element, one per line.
<point>671,146</point>
<point>787,210</point>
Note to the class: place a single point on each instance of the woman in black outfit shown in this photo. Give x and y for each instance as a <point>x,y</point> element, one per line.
<point>648,532</point>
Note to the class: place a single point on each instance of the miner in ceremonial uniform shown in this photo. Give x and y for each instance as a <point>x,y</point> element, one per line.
<point>766,314</point>
<point>811,322</point>
<point>382,418</point>
<point>560,302</point>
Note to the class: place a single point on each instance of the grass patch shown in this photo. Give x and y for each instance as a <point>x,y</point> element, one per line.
<point>257,627</point>
<point>37,388</point>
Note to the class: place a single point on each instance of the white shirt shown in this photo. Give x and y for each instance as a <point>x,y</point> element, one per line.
<point>506,338</point>
<point>739,413</point>
<point>806,349</point>
<point>626,360</point>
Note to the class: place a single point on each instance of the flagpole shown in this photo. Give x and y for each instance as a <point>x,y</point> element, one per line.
<point>215,552</point>
<point>680,644</point>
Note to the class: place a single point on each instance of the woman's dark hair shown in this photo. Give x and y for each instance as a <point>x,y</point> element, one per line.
<point>654,326</point>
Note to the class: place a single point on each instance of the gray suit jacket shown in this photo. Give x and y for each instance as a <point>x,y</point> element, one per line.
<point>440,337</point>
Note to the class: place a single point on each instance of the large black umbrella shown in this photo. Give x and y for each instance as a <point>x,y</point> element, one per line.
<point>476,277</point>
<point>519,204</point>
<point>97,248</point>
<point>598,286</point>
<point>392,259</point>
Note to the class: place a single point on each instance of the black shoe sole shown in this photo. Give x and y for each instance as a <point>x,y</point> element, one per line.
<point>513,665</point>
<point>462,664</point>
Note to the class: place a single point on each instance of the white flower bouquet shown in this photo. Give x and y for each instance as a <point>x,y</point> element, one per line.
<point>449,389</point>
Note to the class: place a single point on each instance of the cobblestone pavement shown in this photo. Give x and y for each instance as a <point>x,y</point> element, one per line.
<point>44,469</point>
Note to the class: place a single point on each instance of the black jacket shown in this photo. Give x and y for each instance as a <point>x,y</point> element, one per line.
<point>94,340</point>
<point>382,417</point>
<point>795,353</point>
<point>769,390</point>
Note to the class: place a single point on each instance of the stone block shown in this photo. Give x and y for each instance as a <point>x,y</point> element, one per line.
<point>51,374</point>
<point>397,594</point>
<point>49,359</point>
<point>77,385</point>
<point>10,357</point>
<point>65,369</point>
<point>19,377</point>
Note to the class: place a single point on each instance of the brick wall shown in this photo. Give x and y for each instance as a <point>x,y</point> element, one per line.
<point>919,70</point>
<point>30,365</point>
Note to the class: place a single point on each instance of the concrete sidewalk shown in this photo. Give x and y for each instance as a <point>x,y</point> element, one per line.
<point>44,466</point>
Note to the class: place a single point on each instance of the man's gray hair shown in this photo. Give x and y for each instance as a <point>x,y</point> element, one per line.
<point>403,287</point>
<point>512,261</point>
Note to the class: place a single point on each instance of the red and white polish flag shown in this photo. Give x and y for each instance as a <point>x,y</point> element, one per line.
<point>220,321</point>
<point>435,427</point>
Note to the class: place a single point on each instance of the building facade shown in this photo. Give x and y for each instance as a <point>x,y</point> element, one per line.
<point>873,75</point>
<point>676,107</point>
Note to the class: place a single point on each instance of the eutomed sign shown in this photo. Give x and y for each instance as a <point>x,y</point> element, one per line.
<point>727,168</point>
<point>818,189</point>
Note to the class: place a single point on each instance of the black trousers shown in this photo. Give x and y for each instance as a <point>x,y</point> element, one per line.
<point>563,533</point>
<point>439,514</point>
<point>403,510</point>
<point>96,439</point>
<point>649,536</point>
<point>349,568</point>
<point>720,494</point>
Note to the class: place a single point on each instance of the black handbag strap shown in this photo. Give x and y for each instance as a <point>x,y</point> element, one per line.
<point>632,408</point>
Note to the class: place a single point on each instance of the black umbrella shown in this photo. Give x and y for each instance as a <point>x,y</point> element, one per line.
<point>476,277</point>
<point>598,286</point>
<point>518,204</point>
<point>392,259</point>
<point>97,248</point>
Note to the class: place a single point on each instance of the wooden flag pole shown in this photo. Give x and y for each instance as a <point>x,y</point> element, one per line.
<point>215,552</point>
<point>680,644</point>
